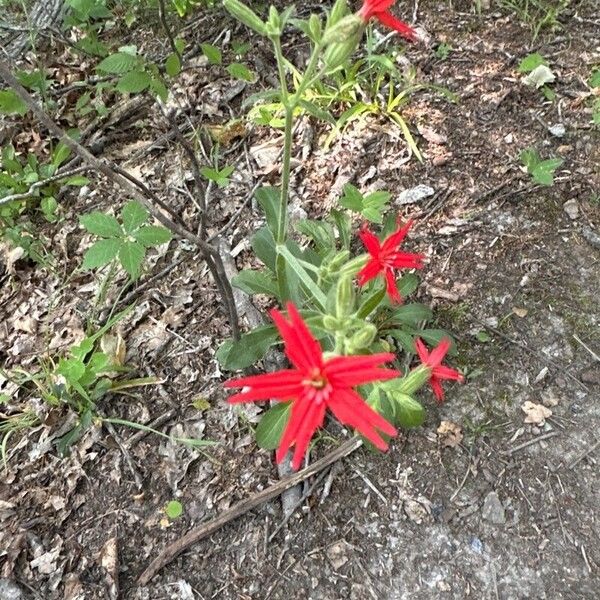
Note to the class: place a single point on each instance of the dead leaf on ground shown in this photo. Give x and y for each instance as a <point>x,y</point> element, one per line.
<point>520,312</point>
<point>535,413</point>
<point>450,434</point>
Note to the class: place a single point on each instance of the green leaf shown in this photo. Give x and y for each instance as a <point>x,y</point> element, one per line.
<point>11,104</point>
<point>240,71</point>
<point>404,338</point>
<point>343,223</point>
<point>134,82</point>
<point>173,65</point>
<point>101,224</point>
<point>369,206</point>
<point>133,215</point>
<point>411,314</point>
<point>60,154</point>
<point>256,282</point>
<point>315,111</point>
<point>212,53</point>
<point>77,180</point>
<point>320,232</point>
<point>268,198</point>
<point>351,199</point>
<point>407,284</point>
<point>272,425</point>
<point>152,235</point>
<point>296,267</point>
<point>158,88</point>
<point>483,336</point>
<point>409,413</point>
<point>249,349</point>
<point>71,369</point>
<point>131,256</point>
<point>370,303</point>
<point>101,253</point>
<point>531,61</point>
<point>118,63</point>
<point>594,81</point>
<point>263,244</point>
<point>219,176</point>
<point>173,509</point>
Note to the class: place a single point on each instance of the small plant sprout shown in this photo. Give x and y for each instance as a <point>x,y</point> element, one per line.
<point>542,171</point>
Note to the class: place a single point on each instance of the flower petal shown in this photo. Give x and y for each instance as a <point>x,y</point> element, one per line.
<point>369,271</point>
<point>406,260</point>
<point>278,392</point>
<point>370,241</point>
<point>422,351</point>
<point>436,386</point>
<point>392,288</point>
<point>387,19</point>
<point>393,241</point>
<point>278,378</point>
<point>345,364</point>
<point>298,414</point>
<point>312,421</point>
<point>439,352</point>
<point>444,372</point>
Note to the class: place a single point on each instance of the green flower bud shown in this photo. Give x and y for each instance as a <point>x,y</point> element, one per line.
<point>314,27</point>
<point>338,261</point>
<point>345,30</point>
<point>274,23</point>
<point>415,380</point>
<point>362,338</point>
<point>331,323</point>
<point>339,10</point>
<point>245,15</point>
<point>355,265</point>
<point>345,297</point>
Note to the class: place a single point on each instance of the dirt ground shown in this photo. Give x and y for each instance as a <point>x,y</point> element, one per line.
<point>508,510</point>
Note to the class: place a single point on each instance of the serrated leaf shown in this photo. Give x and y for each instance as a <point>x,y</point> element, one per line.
<point>539,77</point>
<point>212,53</point>
<point>173,65</point>
<point>158,88</point>
<point>101,224</point>
<point>11,104</point>
<point>173,509</point>
<point>240,71</point>
<point>118,63</point>
<point>249,349</point>
<point>272,425</point>
<point>256,282</point>
<point>531,61</point>
<point>131,256</point>
<point>134,82</point>
<point>133,215</point>
<point>101,253</point>
<point>408,412</point>
<point>152,235</point>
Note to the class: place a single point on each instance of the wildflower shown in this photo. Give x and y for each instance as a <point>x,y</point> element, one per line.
<point>379,9</point>
<point>314,384</point>
<point>386,258</point>
<point>433,360</point>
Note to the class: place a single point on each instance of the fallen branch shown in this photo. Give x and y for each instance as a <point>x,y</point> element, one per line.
<point>237,510</point>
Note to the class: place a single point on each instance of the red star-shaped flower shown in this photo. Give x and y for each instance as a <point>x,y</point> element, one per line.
<point>315,384</point>
<point>379,9</point>
<point>386,258</point>
<point>433,360</point>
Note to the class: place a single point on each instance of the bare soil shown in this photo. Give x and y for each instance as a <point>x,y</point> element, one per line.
<point>510,512</point>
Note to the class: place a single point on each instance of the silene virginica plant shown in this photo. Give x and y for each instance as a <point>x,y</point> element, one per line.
<point>343,319</point>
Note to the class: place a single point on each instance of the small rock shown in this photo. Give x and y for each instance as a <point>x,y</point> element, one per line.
<point>440,161</point>
<point>492,509</point>
<point>557,130</point>
<point>337,555</point>
<point>509,138</point>
<point>416,194</point>
<point>564,149</point>
<point>9,590</point>
<point>571,208</point>
<point>591,375</point>
<point>477,545</point>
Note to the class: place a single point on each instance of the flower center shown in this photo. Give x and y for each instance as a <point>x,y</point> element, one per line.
<point>317,386</point>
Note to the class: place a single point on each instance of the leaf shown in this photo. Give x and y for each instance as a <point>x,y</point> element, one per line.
<point>249,349</point>
<point>77,180</point>
<point>173,65</point>
<point>315,111</point>
<point>268,198</point>
<point>101,253</point>
<point>351,199</point>
<point>101,224</point>
<point>404,338</point>
<point>450,434</point>
<point>118,63</point>
<point>531,61</point>
<point>535,413</point>
<point>411,314</point>
<point>594,81</point>
<point>272,425</point>
<point>539,77</point>
<point>131,256</point>
<point>320,232</point>
<point>220,177</point>
<point>133,215</point>
<point>11,104</point>
<point>72,369</point>
<point>263,244</point>
<point>134,82</point>
<point>212,53</point>
<point>409,413</point>
<point>152,235</point>
<point>173,509</point>
<point>240,71</point>
<point>158,88</point>
<point>256,282</point>
<point>370,206</point>
<point>370,304</point>
<point>407,284</point>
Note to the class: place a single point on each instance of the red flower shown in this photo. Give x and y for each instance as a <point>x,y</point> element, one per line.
<point>379,10</point>
<point>386,257</point>
<point>315,384</point>
<point>433,360</point>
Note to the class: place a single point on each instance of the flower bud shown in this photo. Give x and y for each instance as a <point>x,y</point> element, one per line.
<point>355,265</point>
<point>362,338</point>
<point>339,10</point>
<point>345,297</point>
<point>338,261</point>
<point>415,380</point>
<point>314,28</point>
<point>331,323</point>
<point>245,15</point>
<point>345,30</point>
<point>274,23</point>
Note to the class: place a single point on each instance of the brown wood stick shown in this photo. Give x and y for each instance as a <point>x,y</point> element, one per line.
<point>237,510</point>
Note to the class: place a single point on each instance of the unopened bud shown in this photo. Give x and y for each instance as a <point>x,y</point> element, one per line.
<point>245,15</point>
<point>362,338</point>
<point>345,30</point>
<point>338,261</point>
<point>331,323</point>
<point>415,380</point>
<point>339,10</point>
<point>345,297</point>
<point>355,265</point>
<point>274,22</point>
<point>314,28</point>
